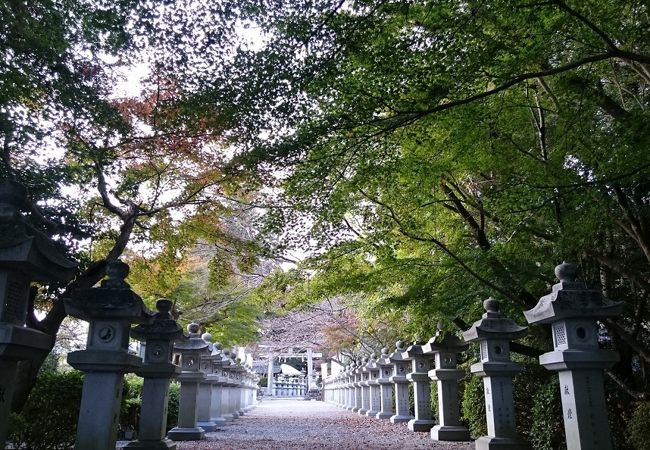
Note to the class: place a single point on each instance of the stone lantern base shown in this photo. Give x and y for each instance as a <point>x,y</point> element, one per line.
<point>495,443</point>
<point>420,425</point>
<point>400,419</point>
<point>186,434</point>
<point>449,433</point>
<point>165,444</point>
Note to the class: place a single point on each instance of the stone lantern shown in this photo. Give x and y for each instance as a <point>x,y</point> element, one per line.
<point>216,377</point>
<point>110,310</point>
<point>238,372</point>
<point>573,310</point>
<point>365,388</point>
<point>445,347</point>
<point>231,371</point>
<point>419,376</point>
<point>191,376</point>
<point>225,381</point>
<point>373,387</point>
<point>401,367</point>
<point>350,397</point>
<point>356,373</point>
<point>493,334</point>
<point>157,371</point>
<point>387,408</point>
<point>204,398</point>
<point>26,255</point>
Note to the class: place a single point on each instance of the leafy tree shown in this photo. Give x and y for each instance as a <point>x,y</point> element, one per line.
<point>435,153</point>
<point>106,173</point>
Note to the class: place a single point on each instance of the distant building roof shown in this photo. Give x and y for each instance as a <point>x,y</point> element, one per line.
<point>261,367</point>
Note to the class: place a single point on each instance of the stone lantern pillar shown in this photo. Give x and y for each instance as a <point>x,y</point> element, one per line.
<point>365,390</point>
<point>191,375</point>
<point>204,395</point>
<point>400,369</point>
<point>269,379</point>
<point>573,310</point>
<point>373,387</point>
<point>157,371</point>
<point>445,348</point>
<point>419,376</point>
<point>26,255</point>
<point>494,333</point>
<point>110,310</point>
<point>387,408</point>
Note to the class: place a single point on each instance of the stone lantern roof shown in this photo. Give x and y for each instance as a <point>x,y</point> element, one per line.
<point>413,350</point>
<point>194,342</point>
<point>494,325</point>
<point>114,299</point>
<point>397,355</point>
<point>570,298</point>
<point>384,358</point>
<point>443,341</point>
<point>163,326</point>
<point>24,248</point>
<point>371,364</point>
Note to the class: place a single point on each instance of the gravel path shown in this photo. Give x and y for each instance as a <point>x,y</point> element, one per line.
<point>313,425</point>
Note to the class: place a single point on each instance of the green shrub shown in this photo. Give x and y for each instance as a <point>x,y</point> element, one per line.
<point>473,407</point>
<point>172,405</point>
<point>638,428</point>
<point>131,402</point>
<point>547,430</point>
<point>433,392</point>
<point>49,419</point>
<point>411,394</point>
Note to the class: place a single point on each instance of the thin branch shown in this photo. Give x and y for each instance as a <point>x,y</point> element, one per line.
<point>592,26</point>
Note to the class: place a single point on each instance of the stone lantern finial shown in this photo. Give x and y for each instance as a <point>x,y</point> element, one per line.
<point>164,307</point>
<point>116,271</point>
<point>566,271</point>
<point>193,329</point>
<point>491,305</point>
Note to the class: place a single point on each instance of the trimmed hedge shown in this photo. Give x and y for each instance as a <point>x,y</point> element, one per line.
<point>638,429</point>
<point>49,419</point>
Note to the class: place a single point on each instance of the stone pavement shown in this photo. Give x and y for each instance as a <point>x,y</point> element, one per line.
<point>278,424</point>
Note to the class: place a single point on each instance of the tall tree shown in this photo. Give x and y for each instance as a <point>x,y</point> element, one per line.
<point>106,173</point>
<point>439,152</point>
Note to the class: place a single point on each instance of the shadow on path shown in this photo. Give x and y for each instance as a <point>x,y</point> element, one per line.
<point>313,425</point>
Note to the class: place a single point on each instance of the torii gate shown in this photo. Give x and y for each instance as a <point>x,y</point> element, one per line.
<point>290,353</point>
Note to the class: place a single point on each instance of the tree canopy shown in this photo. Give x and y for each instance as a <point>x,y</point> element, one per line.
<point>425,154</point>
<point>433,153</point>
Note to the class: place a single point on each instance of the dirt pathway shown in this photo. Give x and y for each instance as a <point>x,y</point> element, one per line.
<point>313,425</point>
